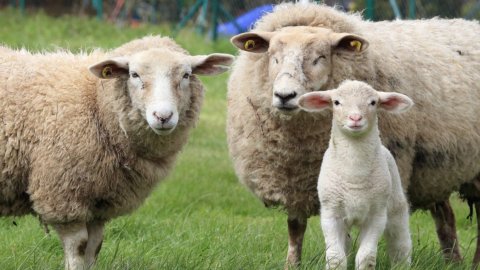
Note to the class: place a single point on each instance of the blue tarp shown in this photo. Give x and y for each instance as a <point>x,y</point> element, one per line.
<point>245,21</point>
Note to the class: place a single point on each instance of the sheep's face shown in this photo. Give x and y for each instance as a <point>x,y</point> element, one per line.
<point>158,82</point>
<point>355,105</point>
<point>300,59</point>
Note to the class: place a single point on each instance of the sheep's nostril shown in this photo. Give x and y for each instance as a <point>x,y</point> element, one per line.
<point>285,97</point>
<point>163,117</point>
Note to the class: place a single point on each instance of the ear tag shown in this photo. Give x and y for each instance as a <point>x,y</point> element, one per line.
<point>249,45</point>
<point>357,44</point>
<point>107,72</point>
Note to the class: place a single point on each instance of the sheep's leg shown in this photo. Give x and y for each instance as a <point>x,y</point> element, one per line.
<point>95,239</point>
<point>476,259</point>
<point>74,239</point>
<point>397,234</point>
<point>370,233</point>
<point>296,231</point>
<point>335,235</point>
<point>444,218</point>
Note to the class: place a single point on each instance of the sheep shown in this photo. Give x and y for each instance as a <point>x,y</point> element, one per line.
<point>359,183</point>
<point>78,149</point>
<point>298,48</point>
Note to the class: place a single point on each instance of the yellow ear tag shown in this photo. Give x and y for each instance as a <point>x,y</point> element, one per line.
<point>249,45</point>
<point>357,44</point>
<point>107,72</point>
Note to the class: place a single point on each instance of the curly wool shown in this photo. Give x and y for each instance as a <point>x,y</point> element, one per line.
<point>72,147</point>
<point>435,62</point>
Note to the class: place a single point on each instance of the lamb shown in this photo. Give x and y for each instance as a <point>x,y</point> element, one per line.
<point>298,48</point>
<point>359,182</point>
<point>78,150</point>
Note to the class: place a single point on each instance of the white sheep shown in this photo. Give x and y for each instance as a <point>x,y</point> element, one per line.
<point>78,150</point>
<point>299,48</point>
<point>359,183</point>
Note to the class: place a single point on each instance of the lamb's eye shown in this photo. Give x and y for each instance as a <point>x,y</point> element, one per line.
<point>373,103</point>
<point>318,59</point>
<point>336,102</point>
<point>134,74</point>
<point>186,75</point>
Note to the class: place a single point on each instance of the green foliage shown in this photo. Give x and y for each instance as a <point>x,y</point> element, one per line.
<point>200,217</point>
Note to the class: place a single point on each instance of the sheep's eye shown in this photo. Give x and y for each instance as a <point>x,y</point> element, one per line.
<point>373,103</point>
<point>336,102</point>
<point>186,76</point>
<point>318,59</point>
<point>134,75</point>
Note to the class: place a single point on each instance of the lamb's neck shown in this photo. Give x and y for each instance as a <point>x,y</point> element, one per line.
<point>353,151</point>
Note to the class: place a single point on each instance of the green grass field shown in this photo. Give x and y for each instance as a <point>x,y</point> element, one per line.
<point>200,217</point>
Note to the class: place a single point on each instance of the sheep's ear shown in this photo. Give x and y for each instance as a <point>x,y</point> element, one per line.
<point>394,102</point>
<point>315,101</point>
<point>212,64</point>
<point>256,42</point>
<point>109,69</point>
<point>348,42</point>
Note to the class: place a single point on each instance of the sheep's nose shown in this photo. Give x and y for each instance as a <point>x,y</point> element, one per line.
<point>163,117</point>
<point>285,97</point>
<point>355,117</point>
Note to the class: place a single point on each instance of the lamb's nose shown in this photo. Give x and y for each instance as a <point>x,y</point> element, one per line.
<point>163,117</point>
<point>285,97</point>
<point>355,117</point>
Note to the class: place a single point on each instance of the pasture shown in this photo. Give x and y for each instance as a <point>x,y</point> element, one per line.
<point>200,217</point>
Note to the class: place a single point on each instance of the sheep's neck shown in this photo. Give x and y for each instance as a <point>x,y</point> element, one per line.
<point>355,151</point>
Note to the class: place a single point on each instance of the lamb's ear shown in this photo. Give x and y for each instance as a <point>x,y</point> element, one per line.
<point>348,42</point>
<point>111,68</point>
<point>212,64</point>
<point>315,101</point>
<point>256,42</point>
<point>394,102</point>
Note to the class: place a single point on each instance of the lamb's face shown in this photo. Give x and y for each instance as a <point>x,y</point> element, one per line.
<point>300,59</point>
<point>159,80</point>
<point>355,105</point>
<point>354,108</point>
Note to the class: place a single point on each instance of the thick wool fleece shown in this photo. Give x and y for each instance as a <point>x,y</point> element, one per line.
<point>436,145</point>
<point>72,147</point>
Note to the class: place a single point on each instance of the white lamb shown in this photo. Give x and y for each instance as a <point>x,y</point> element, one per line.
<point>359,182</point>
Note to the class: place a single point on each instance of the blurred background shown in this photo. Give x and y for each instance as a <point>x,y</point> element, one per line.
<point>217,18</point>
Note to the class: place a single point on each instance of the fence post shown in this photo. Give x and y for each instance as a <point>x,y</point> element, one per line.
<point>370,14</point>
<point>411,10</point>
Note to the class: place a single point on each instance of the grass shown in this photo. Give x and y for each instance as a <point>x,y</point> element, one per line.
<point>200,217</point>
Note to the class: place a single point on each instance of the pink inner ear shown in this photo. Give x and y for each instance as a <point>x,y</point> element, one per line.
<point>316,102</point>
<point>391,103</point>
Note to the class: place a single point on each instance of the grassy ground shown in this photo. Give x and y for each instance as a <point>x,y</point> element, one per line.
<point>200,217</point>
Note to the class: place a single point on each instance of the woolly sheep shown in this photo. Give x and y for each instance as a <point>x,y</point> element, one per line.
<point>277,149</point>
<point>359,182</point>
<point>78,150</point>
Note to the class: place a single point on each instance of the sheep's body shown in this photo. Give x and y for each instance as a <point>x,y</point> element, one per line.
<point>434,61</point>
<point>64,156</point>
<point>78,151</point>
<point>359,183</point>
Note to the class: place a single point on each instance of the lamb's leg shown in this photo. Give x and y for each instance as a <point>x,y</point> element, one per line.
<point>74,237</point>
<point>370,233</point>
<point>476,259</point>
<point>95,239</point>
<point>397,234</point>
<point>296,231</point>
<point>335,235</point>
<point>444,218</point>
